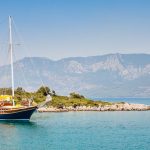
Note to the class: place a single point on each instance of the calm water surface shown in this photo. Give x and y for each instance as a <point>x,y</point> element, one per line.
<point>78,131</point>
<point>128,100</point>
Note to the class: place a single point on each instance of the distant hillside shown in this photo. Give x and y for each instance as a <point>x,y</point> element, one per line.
<point>112,75</point>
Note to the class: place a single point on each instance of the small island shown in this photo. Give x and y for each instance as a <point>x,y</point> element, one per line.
<point>73,102</point>
<point>77,102</point>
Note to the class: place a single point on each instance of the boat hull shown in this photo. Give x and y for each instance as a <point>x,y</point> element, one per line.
<point>19,114</point>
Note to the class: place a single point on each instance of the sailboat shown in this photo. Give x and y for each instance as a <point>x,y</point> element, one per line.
<point>8,109</point>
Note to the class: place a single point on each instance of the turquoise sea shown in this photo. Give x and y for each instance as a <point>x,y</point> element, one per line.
<point>78,131</point>
<point>128,100</point>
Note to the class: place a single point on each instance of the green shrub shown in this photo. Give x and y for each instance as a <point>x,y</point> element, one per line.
<point>76,95</point>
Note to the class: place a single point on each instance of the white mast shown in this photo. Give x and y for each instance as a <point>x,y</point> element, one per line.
<point>11,57</point>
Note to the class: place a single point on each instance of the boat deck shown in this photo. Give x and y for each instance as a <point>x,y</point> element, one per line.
<point>9,110</point>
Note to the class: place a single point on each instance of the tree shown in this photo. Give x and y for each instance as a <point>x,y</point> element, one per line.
<point>53,93</point>
<point>5,91</point>
<point>44,90</point>
<point>20,93</point>
<point>76,95</point>
<point>20,90</point>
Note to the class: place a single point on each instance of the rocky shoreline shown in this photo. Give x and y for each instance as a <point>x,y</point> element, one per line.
<point>113,107</point>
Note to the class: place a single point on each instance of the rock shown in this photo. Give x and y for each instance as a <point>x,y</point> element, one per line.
<point>113,107</point>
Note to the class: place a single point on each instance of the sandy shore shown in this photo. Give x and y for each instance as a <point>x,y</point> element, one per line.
<point>113,107</point>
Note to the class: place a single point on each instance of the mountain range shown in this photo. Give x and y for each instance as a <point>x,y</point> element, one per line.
<point>111,75</point>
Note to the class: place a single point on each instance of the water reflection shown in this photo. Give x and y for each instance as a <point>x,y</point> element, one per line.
<point>20,123</point>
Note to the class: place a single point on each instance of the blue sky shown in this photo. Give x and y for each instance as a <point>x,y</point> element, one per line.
<point>63,28</point>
